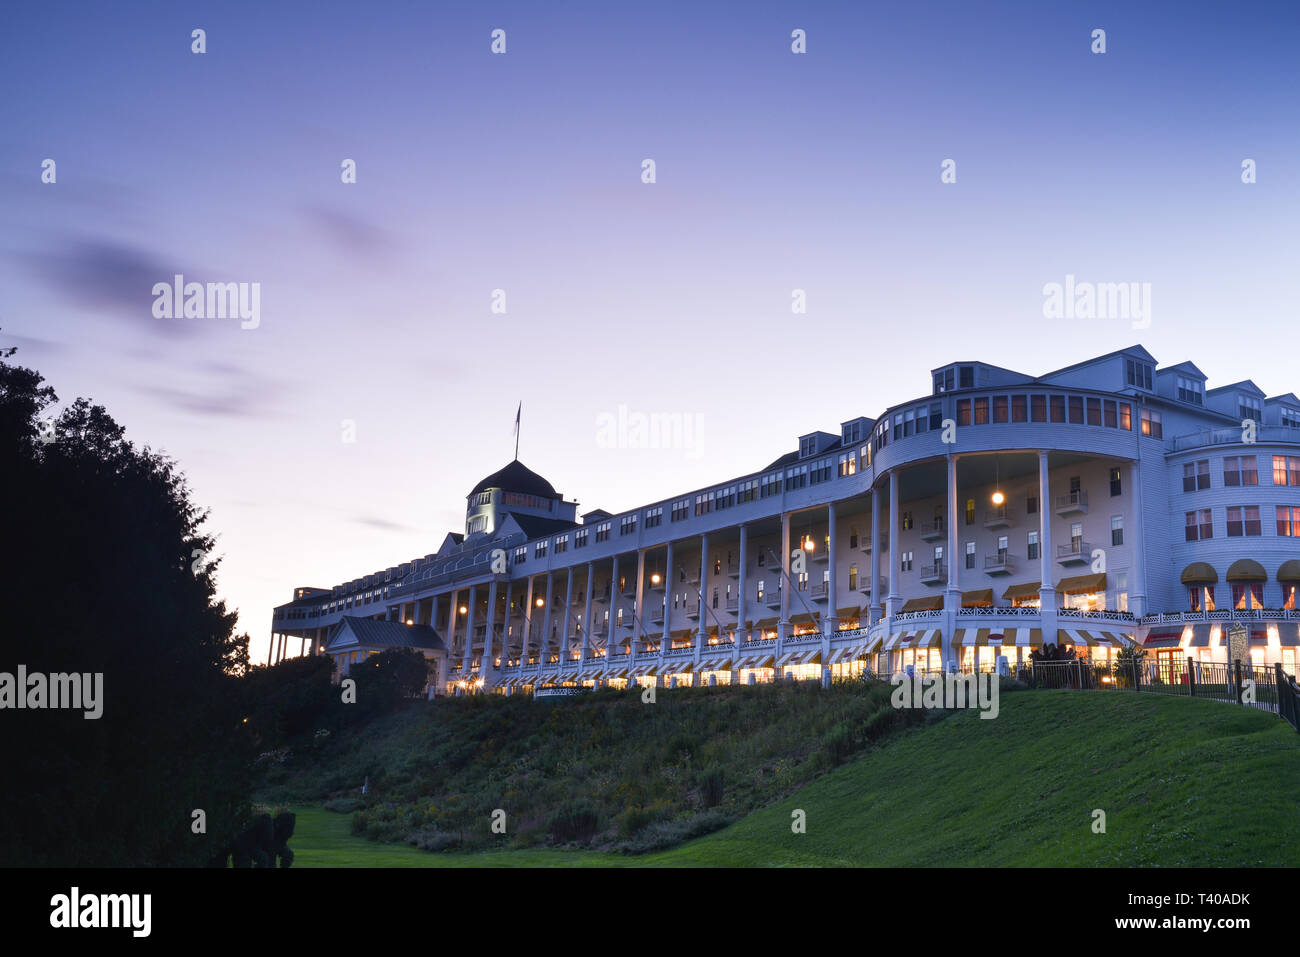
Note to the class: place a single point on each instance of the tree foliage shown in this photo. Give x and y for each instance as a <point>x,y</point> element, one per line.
<point>101,562</point>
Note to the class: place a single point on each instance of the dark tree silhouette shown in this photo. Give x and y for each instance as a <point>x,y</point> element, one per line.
<point>99,570</point>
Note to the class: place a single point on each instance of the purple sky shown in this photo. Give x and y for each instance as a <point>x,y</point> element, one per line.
<point>775,171</point>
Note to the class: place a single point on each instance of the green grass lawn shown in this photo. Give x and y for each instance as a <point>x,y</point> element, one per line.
<point>1182,783</point>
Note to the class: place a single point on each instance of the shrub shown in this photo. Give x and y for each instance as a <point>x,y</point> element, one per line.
<point>840,742</point>
<point>574,822</point>
<point>710,782</point>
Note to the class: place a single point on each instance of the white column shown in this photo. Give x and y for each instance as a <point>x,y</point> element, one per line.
<point>670,578</point>
<point>469,630</point>
<point>1046,590</point>
<point>895,574</point>
<point>568,621</point>
<point>952,595</point>
<point>742,604</point>
<point>451,631</point>
<point>783,626</point>
<point>1137,599</point>
<point>546,616</point>
<point>832,618</point>
<point>873,610</point>
<point>702,634</point>
<point>527,643</point>
<point>487,667</point>
<point>613,611</point>
<point>586,615</point>
<point>638,611</point>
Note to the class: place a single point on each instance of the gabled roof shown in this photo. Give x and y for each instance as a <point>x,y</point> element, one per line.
<point>1133,350</point>
<point>534,526</point>
<point>1288,397</point>
<point>1245,385</point>
<point>1186,368</point>
<point>374,633</point>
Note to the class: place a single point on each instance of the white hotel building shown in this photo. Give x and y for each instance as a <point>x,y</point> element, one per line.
<point>1104,503</point>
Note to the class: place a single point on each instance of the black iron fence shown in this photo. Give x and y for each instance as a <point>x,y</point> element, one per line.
<point>1266,688</point>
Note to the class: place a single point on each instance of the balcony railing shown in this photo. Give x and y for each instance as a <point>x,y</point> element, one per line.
<point>932,573</point>
<point>997,516</point>
<point>1077,552</point>
<point>1223,614</point>
<point>999,563</point>
<point>1072,502</point>
<point>932,531</point>
<point>1264,433</point>
<point>818,591</point>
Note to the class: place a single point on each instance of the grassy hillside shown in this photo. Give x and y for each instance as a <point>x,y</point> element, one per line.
<point>1183,783</point>
<point>605,771</point>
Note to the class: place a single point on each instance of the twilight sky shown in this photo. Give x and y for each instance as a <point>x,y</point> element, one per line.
<point>522,172</point>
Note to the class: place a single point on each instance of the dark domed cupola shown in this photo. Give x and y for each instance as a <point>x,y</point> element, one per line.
<point>514,489</point>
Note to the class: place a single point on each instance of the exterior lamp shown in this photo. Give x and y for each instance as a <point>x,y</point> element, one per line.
<point>464,610</point>
<point>410,622</point>
<point>655,579</point>
<point>998,498</point>
<point>808,544</point>
<point>540,602</point>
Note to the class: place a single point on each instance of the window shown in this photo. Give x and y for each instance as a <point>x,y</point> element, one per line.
<point>966,377</point>
<point>1290,418</point>
<point>963,412</point>
<point>1117,530</point>
<point>1056,403</point>
<point>704,503</point>
<point>1288,520</point>
<point>970,554</point>
<point>820,472</point>
<point>851,433</point>
<point>539,550</point>
<point>906,564</point>
<point>1076,410</point>
<point>848,465</point>
<point>1286,470</point>
<point>944,381</point>
<point>1243,520</point>
<point>1031,505</point>
<point>654,517</point>
<point>1189,390</point>
<point>1031,548</point>
<point>1240,470</point>
<point>853,578</point>
<point>1001,409</point>
<point>1108,413</point>
<point>1002,547</point>
<point>1247,595</point>
<point>1248,407</point>
<point>1116,485</point>
<point>1199,525</point>
<point>1151,424</point>
<point>1196,475</point>
<point>1094,411</point>
<point>1020,408</point>
<point>770,484</point>
<point>580,538</point>
<point>807,446</point>
<point>1038,408</point>
<point>853,537</point>
<point>602,532</point>
<point>521,554</point>
<point>726,497</point>
<point>681,509</point>
<point>907,521</point>
<point>627,525</point>
<point>747,492</point>
<point>1126,417</point>
<point>936,416</point>
<point>1138,374</point>
<point>561,544</point>
<point>970,511</point>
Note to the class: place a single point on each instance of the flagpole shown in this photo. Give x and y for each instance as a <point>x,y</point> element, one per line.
<point>518,413</point>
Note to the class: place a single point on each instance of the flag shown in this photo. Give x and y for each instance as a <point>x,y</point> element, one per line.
<point>518,412</point>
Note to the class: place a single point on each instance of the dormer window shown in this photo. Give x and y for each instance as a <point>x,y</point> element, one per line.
<point>808,447</point>
<point>1189,390</point>
<point>945,381</point>
<point>1291,417</point>
<point>1248,407</point>
<point>1138,374</point>
<point>966,377</point>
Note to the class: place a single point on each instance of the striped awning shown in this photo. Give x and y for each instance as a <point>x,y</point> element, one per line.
<point>1082,584</point>
<point>970,637</point>
<point>803,656</point>
<point>715,663</point>
<point>547,678</point>
<point>1019,637</point>
<point>763,660</point>
<point>1092,639</point>
<point>677,666</point>
<point>615,671</point>
<point>898,639</point>
<point>1200,637</point>
<point>928,639</point>
<point>874,644</point>
<point>1163,638</point>
<point>765,623</point>
<point>644,668</point>
<point>929,603</point>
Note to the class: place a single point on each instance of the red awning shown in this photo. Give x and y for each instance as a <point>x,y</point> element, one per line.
<point>1163,639</point>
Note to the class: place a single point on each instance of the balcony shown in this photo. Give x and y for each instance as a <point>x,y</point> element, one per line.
<point>733,569</point>
<point>999,563</point>
<point>882,586</point>
<point>657,616</point>
<point>628,587</point>
<point>1078,552</point>
<point>772,599</point>
<point>1073,503</point>
<point>693,611</point>
<point>733,606</point>
<point>933,574</point>
<point>997,516</point>
<point>932,531</point>
<point>818,591</point>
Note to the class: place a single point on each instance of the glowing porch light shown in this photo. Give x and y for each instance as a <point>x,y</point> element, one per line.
<point>540,602</point>
<point>464,610</point>
<point>998,498</point>
<point>655,579</point>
